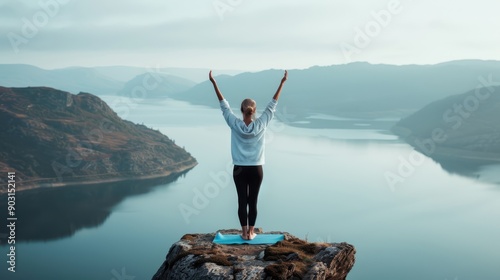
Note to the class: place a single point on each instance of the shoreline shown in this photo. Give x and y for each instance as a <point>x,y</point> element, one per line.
<point>32,185</point>
<point>443,151</point>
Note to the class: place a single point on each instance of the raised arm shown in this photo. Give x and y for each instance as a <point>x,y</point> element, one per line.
<point>216,88</point>
<point>278,91</point>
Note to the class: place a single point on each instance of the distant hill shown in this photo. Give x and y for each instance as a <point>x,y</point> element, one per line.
<point>464,126</point>
<point>366,94</point>
<point>356,90</point>
<point>103,80</point>
<point>154,85</point>
<point>74,80</point>
<point>125,73</point>
<point>52,137</point>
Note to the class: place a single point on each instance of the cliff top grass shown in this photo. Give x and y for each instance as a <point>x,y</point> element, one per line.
<point>289,258</point>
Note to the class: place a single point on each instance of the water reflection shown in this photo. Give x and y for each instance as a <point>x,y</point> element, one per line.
<point>49,214</point>
<point>481,170</point>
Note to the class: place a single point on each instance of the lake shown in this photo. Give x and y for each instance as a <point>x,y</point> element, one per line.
<point>325,185</point>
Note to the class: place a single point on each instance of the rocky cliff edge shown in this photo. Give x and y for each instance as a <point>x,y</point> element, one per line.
<point>195,256</point>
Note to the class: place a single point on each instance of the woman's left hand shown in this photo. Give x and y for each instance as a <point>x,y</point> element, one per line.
<point>285,77</point>
<point>210,77</point>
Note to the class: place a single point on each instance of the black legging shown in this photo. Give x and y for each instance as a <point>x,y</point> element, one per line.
<point>247,180</point>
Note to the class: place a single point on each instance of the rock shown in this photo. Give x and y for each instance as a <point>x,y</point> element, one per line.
<point>316,272</point>
<point>195,256</point>
<point>335,258</point>
<point>293,257</point>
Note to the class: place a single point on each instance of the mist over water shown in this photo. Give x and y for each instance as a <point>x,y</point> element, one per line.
<point>325,185</point>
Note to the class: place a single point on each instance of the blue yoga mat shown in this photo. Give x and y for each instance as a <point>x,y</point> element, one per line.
<point>236,239</point>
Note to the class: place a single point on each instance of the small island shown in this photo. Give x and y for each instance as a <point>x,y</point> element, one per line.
<point>54,138</point>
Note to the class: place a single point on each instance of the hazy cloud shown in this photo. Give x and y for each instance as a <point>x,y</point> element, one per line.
<point>299,33</point>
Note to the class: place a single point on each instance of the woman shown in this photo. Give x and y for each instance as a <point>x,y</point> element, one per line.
<point>247,152</point>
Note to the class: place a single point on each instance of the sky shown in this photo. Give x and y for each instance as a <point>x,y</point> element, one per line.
<point>248,35</point>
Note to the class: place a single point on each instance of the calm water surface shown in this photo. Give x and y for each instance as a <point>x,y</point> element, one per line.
<point>320,184</point>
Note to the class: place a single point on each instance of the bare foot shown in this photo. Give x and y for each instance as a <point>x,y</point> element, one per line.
<point>244,232</point>
<point>244,236</point>
<point>251,235</point>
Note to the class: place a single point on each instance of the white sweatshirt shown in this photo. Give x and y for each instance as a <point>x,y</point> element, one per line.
<point>248,142</point>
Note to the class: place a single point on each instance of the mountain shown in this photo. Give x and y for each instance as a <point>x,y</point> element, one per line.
<point>355,90</point>
<point>52,137</point>
<point>154,85</point>
<point>459,127</point>
<point>74,79</point>
<point>103,80</point>
<point>372,95</point>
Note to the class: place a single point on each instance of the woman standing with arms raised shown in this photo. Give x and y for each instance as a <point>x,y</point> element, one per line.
<point>247,152</point>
